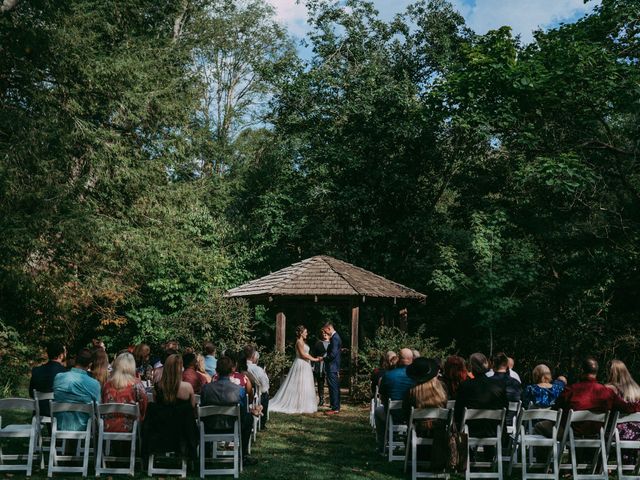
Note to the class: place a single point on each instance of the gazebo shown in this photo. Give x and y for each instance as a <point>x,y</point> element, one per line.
<point>325,280</point>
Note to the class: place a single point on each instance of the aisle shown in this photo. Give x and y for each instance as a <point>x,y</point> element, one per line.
<point>318,447</point>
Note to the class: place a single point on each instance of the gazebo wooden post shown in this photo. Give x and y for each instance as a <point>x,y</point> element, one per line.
<point>281,328</point>
<point>355,320</point>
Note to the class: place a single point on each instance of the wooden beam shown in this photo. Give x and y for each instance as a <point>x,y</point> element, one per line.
<point>355,320</point>
<point>281,328</point>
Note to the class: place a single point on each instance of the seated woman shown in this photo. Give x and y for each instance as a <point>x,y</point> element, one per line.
<point>124,387</point>
<point>427,393</point>
<point>237,377</point>
<point>201,370</point>
<point>543,393</point>
<point>454,372</point>
<point>621,382</point>
<point>388,361</point>
<point>170,425</point>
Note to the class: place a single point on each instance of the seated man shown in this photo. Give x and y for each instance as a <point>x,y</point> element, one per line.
<point>76,386</point>
<point>225,392</point>
<point>480,392</point>
<point>510,369</point>
<point>394,385</point>
<point>512,387</point>
<point>190,374</point>
<point>261,378</point>
<point>42,376</point>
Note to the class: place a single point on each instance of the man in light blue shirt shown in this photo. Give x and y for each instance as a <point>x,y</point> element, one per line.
<point>76,386</point>
<point>210,360</point>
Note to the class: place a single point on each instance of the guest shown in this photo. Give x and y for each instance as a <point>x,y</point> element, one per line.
<point>388,361</point>
<point>42,377</point>
<point>543,393</point>
<point>158,368</point>
<point>226,392</point>
<point>482,393</point>
<point>240,379</point>
<point>319,350</point>
<point>512,387</point>
<point>100,366</point>
<point>124,387</point>
<point>454,372</point>
<point>144,369</point>
<point>76,386</point>
<point>261,380</point>
<point>394,385</point>
<point>623,384</point>
<point>510,363</point>
<point>428,391</point>
<point>190,375</point>
<point>241,373</point>
<point>202,370</point>
<point>416,353</point>
<point>169,425</point>
<point>210,359</point>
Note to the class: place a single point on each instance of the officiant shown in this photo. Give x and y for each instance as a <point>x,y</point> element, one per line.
<point>319,349</point>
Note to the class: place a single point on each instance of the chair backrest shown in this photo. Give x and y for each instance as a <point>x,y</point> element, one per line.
<point>26,404</point>
<point>197,397</point>
<point>534,414</point>
<point>481,414</point>
<point>587,416</point>
<point>395,405</point>
<point>42,395</point>
<point>72,407</point>
<point>130,409</point>
<point>451,404</point>
<point>514,406</point>
<point>211,410</point>
<point>627,417</point>
<point>430,414</point>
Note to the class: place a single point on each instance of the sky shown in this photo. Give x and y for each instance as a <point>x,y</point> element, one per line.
<point>524,16</point>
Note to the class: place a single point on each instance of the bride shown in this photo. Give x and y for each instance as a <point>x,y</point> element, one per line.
<point>297,394</point>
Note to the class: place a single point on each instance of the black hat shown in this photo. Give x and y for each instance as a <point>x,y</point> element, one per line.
<point>423,369</point>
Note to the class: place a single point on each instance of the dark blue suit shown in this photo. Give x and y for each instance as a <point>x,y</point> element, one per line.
<point>332,369</point>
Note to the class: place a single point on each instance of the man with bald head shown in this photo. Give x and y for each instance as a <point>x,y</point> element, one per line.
<point>394,385</point>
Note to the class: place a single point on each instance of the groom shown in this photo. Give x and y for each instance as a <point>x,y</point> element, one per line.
<point>332,367</point>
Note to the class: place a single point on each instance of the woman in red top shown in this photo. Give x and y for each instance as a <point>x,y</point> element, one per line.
<point>123,387</point>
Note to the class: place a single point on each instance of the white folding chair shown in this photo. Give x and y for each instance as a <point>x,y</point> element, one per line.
<point>451,404</point>
<point>234,437</point>
<point>598,443</point>
<point>413,440</point>
<point>43,441</point>
<point>82,437</point>
<point>527,439</point>
<point>105,438</point>
<point>394,433</point>
<point>474,442</point>
<point>375,403</point>
<point>197,398</point>
<point>514,407</point>
<point>18,430</point>
<point>621,445</point>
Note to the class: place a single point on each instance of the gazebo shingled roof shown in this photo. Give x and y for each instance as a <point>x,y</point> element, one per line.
<point>323,276</point>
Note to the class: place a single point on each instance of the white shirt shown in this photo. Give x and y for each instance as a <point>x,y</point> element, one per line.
<point>512,374</point>
<point>260,375</point>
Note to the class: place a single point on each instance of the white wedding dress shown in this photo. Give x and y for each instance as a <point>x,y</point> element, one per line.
<point>297,394</point>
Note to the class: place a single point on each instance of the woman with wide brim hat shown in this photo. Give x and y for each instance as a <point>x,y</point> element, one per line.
<point>427,393</point>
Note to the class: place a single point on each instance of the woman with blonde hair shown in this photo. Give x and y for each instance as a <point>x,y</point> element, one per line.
<point>201,370</point>
<point>543,392</point>
<point>123,387</point>
<point>170,425</point>
<point>621,382</point>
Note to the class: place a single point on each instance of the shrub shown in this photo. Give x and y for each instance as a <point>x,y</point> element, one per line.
<point>14,366</point>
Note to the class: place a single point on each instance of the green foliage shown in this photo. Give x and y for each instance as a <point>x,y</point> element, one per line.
<point>276,365</point>
<point>13,368</point>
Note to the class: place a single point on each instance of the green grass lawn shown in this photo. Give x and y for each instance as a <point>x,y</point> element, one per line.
<point>310,447</point>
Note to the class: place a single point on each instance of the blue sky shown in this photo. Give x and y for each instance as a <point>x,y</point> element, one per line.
<point>524,16</point>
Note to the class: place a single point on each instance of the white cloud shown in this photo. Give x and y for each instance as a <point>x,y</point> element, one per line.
<point>524,16</point>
